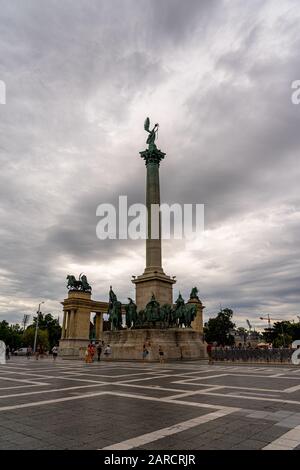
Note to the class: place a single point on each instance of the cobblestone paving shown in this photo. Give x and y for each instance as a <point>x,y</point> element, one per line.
<point>183,406</point>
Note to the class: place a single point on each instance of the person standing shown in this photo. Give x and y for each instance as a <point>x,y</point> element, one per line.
<point>99,351</point>
<point>107,351</point>
<point>7,353</point>
<point>54,352</point>
<point>38,352</point>
<point>93,351</point>
<point>161,355</point>
<point>89,354</point>
<point>29,352</point>
<point>145,353</point>
<point>209,352</point>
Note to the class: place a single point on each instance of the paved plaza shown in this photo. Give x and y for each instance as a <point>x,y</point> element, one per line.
<point>122,406</point>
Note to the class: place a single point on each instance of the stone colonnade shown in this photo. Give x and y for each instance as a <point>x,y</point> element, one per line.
<point>77,310</point>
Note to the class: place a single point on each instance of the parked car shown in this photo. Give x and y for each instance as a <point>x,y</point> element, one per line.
<point>21,352</point>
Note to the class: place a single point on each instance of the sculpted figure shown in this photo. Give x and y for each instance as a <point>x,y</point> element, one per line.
<point>190,313</point>
<point>152,134</point>
<point>180,311</point>
<point>152,311</point>
<point>114,311</point>
<point>81,284</point>
<point>166,314</point>
<point>194,293</point>
<point>131,313</point>
<point>84,283</point>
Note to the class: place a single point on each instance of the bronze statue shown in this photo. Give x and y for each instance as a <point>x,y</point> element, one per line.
<point>131,314</point>
<point>152,311</point>
<point>114,311</point>
<point>84,283</point>
<point>180,311</point>
<point>80,285</point>
<point>152,134</point>
<point>190,313</point>
<point>194,293</point>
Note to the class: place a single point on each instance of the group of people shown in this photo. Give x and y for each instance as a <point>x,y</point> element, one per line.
<point>95,350</point>
<point>161,354</point>
<point>40,352</point>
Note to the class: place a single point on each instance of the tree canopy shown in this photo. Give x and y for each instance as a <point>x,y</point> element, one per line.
<point>283,333</point>
<point>49,333</point>
<point>218,329</point>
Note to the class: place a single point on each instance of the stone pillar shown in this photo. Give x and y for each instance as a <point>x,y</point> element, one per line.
<point>153,246</point>
<point>82,329</point>
<point>197,324</point>
<point>153,280</point>
<point>71,323</point>
<point>67,331</point>
<point>99,324</point>
<point>63,329</point>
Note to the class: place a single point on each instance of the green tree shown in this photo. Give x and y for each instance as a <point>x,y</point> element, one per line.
<point>282,341</point>
<point>42,337</point>
<point>15,336</point>
<point>4,331</point>
<point>218,329</point>
<point>282,333</point>
<point>51,325</point>
<point>11,334</point>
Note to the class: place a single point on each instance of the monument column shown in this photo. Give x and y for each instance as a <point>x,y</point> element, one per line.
<point>153,245</point>
<point>63,329</point>
<point>153,280</point>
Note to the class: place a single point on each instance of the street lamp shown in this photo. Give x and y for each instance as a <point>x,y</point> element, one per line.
<point>37,326</point>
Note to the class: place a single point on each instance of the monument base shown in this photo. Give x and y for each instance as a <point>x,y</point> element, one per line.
<point>177,344</point>
<point>73,348</point>
<point>153,282</point>
<point>127,345</point>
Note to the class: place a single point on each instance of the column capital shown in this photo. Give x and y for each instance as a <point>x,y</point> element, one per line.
<point>152,156</point>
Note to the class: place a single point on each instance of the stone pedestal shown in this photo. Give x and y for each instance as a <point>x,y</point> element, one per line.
<point>153,282</point>
<point>197,324</point>
<point>177,344</point>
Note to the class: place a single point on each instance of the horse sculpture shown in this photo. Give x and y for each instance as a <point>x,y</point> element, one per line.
<point>80,284</point>
<point>115,315</point>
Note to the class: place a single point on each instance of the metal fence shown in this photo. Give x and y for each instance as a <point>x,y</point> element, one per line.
<point>252,355</point>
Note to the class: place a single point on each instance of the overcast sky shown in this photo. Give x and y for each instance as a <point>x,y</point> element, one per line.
<point>81,77</point>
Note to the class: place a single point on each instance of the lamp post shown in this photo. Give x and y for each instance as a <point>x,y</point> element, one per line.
<point>37,326</point>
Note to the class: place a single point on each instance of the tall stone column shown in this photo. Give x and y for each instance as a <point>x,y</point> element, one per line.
<point>71,323</point>
<point>153,280</point>
<point>153,245</point>
<point>99,324</point>
<point>67,329</point>
<point>63,328</point>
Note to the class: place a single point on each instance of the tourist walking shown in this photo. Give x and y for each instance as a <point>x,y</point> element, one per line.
<point>99,351</point>
<point>38,352</point>
<point>145,353</point>
<point>107,351</point>
<point>93,351</point>
<point>29,352</point>
<point>89,354</point>
<point>54,352</point>
<point>209,352</point>
<point>161,354</point>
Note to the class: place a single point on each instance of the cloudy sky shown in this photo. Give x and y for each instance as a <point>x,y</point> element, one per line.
<point>81,76</point>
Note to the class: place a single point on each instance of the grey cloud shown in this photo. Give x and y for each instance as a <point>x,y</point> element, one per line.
<point>77,74</point>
